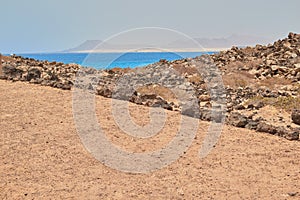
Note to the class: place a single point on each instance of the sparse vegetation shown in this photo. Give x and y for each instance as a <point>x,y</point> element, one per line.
<point>195,79</point>
<point>188,70</point>
<point>159,90</point>
<point>286,103</point>
<point>274,82</point>
<point>235,80</point>
<point>245,65</point>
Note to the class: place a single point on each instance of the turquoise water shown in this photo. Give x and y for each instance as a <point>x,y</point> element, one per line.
<point>110,60</point>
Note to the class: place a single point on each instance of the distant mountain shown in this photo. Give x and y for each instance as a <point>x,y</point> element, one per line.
<point>86,46</point>
<point>178,45</point>
<point>248,40</point>
<point>233,40</point>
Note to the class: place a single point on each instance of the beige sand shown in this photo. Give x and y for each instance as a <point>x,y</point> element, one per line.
<point>41,156</point>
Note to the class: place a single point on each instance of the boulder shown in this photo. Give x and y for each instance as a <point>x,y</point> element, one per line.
<point>11,72</point>
<point>237,119</point>
<point>290,134</point>
<point>296,116</point>
<point>33,73</point>
<point>266,128</point>
<point>104,91</point>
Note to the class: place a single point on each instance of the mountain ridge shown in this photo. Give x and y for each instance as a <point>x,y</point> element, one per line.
<point>178,45</point>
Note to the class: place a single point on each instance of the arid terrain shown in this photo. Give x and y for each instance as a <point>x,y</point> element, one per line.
<point>42,156</point>
<point>253,87</point>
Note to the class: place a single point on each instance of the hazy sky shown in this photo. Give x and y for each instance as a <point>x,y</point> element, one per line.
<point>53,25</point>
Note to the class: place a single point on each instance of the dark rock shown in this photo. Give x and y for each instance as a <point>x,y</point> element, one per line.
<point>292,194</point>
<point>190,111</point>
<point>145,97</point>
<point>11,71</point>
<point>267,128</point>
<point>252,125</point>
<point>33,73</point>
<point>290,134</point>
<point>296,116</point>
<point>205,114</point>
<point>163,61</point>
<point>66,87</point>
<point>104,91</point>
<point>239,107</point>
<point>237,119</point>
<point>256,105</point>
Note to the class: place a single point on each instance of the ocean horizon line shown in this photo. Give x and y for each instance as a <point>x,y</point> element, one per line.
<point>122,51</point>
<point>101,60</point>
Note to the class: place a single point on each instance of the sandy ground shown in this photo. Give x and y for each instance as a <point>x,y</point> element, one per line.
<point>42,157</point>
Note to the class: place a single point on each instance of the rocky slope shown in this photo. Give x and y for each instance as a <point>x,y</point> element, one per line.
<point>254,87</point>
<point>280,59</point>
<point>46,73</point>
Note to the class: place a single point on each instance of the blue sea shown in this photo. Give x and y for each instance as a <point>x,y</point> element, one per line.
<point>111,60</point>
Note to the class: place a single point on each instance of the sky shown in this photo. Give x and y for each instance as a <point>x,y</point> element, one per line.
<point>55,25</point>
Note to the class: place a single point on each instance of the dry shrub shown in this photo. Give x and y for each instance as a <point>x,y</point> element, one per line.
<point>274,82</point>
<point>241,79</point>
<point>236,66</point>
<point>181,69</point>
<point>288,103</point>
<point>285,103</point>
<point>195,79</point>
<point>120,70</point>
<point>254,63</point>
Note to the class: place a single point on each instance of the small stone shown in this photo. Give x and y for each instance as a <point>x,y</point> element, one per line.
<point>292,194</point>
<point>240,107</point>
<point>204,98</point>
<point>275,67</point>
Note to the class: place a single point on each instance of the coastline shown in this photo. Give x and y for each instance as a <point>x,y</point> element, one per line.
<point>151,50</point>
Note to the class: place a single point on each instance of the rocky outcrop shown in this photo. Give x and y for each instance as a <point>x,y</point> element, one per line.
<point>288,133</point>
<point>46,73</point>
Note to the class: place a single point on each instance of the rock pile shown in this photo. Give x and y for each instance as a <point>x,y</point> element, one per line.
<point>46,73</point>
<point>279,59</point>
